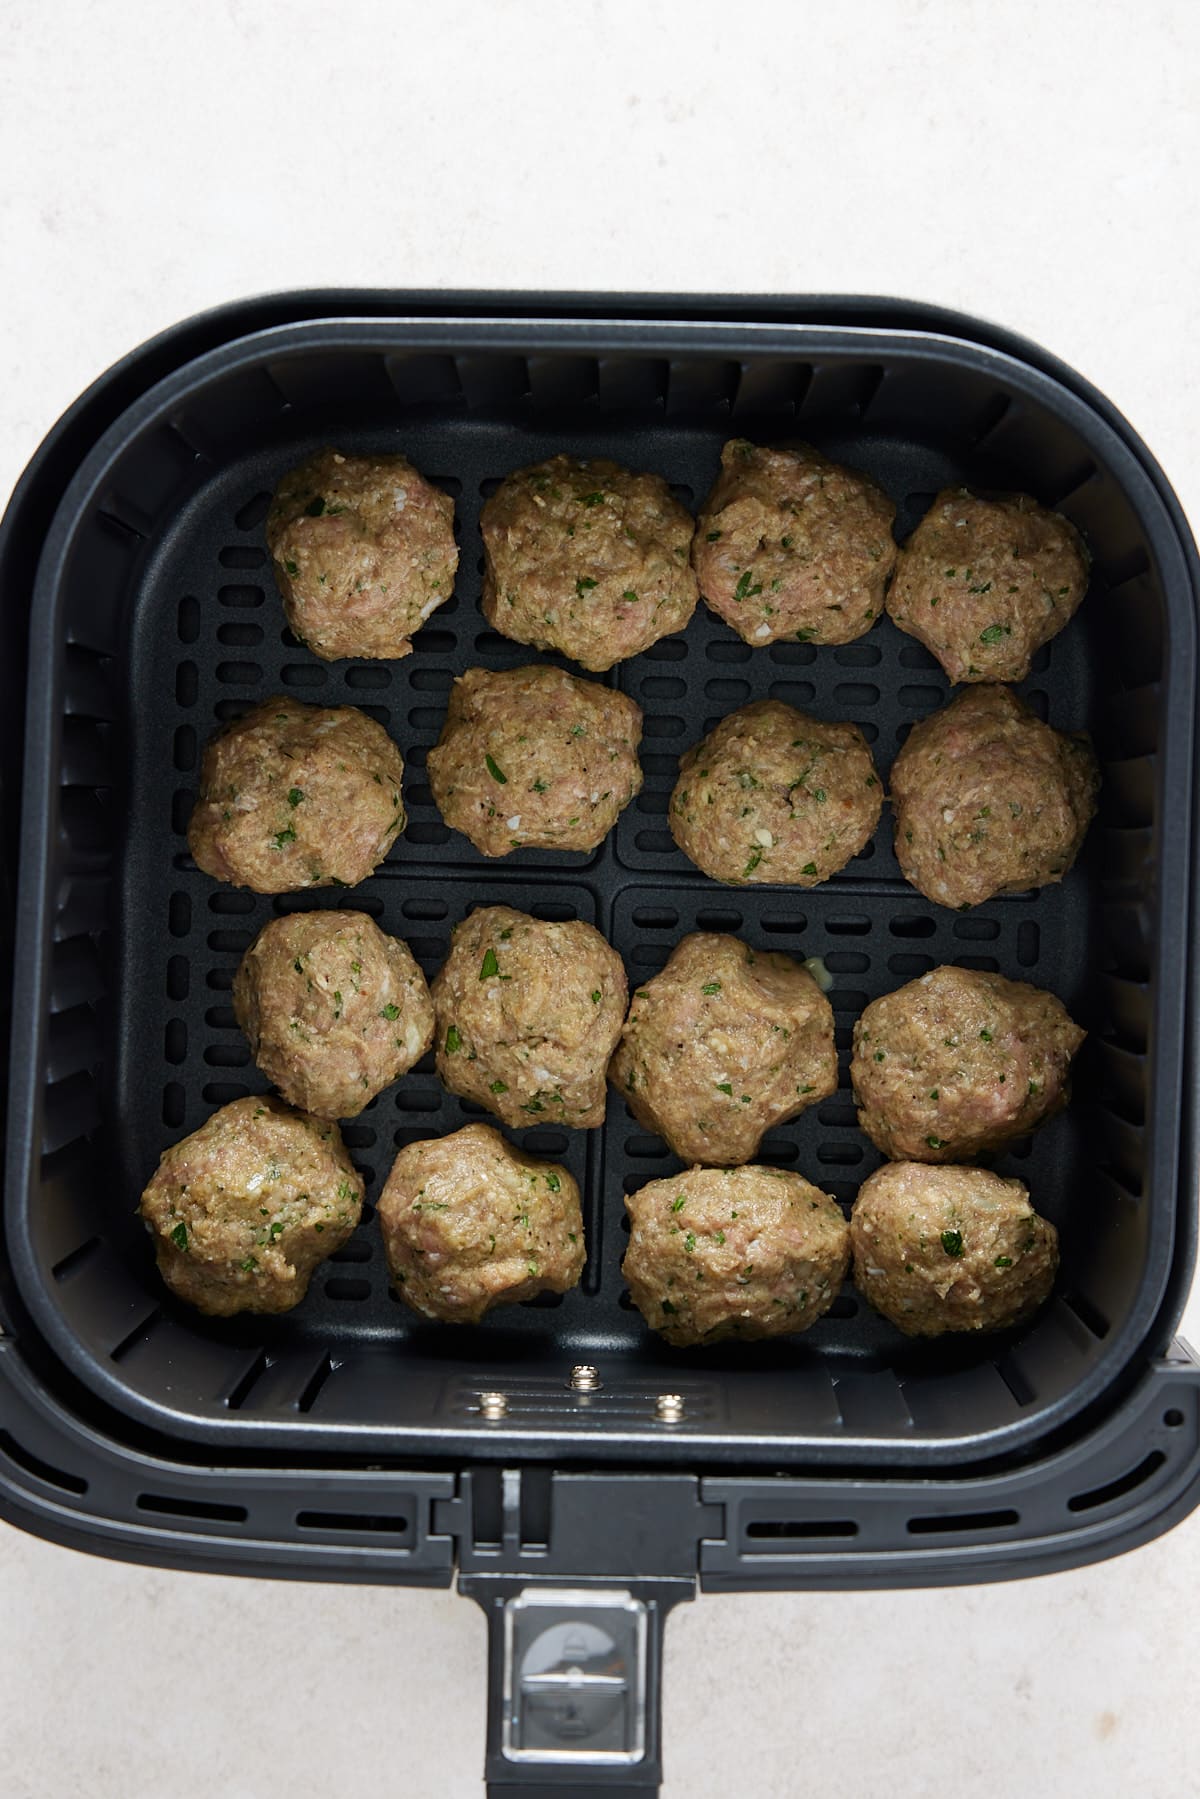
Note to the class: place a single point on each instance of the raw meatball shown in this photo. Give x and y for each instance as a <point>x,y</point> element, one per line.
<point>774,795</point>
<point>721,1046</point>
<point>789,544</point>
<point>470,1223</point>
<point>334,1010</point>
<point>586,558</point>
<point>243,1210</point>
<point>528,1015</point>
<point>734,1252</point>
<point>364,551</point>
<point>297,796</point>
<point>958,1062</point>
<point>989,800</point>
<point>535,758</point>
<point>984,583</point>
<point>950,1249</point>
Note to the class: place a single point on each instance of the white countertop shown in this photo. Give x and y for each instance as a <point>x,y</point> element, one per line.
<point>1038,165</point>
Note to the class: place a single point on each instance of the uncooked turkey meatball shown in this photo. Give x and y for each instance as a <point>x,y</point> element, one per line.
<point>528,1014</point>
<point>734,1252</point>
<point>774,795</point>
<point>724,1044</point>
<point>297,796</point>
<point>989,800</point>
<point>958,1062</point>
<point>586,558</point>
<point>950,1249</point>
<point>535,758</point>
<point>470,1223</point>
<point>364,551</point>
<point>789,544</point>
<point>244,1209</point>
<point>334,1010</point>
<point>984,583</point>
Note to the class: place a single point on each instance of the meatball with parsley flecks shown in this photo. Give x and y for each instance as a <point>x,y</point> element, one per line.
<point>726,1043</point>
<point>535,758</point>
<point>469,1223</point>
<point>334,1010</point>
<point>950,1249</point>
<point>528,1014</point>
<point>772,794</point>
<point>746,1253</point>
<point>790,544</point>
<point>296,796</point>
<point>985,583</point>
<point>363,550</point>
<point>958,1062</point>
<point>243,1210</point>
<point>988,799</point>
<point>588,558</point>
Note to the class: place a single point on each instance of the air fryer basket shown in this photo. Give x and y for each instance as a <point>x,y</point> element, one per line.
<point>155,619</point>
<point>347,1440</point>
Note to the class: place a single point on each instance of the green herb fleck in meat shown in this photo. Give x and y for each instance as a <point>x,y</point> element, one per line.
<point>496,772</point>
<point>489,968</point>
<point>952,1242</point>
<point>390,1012</point>
<point>453,1040</point>
<point>179,1236</point>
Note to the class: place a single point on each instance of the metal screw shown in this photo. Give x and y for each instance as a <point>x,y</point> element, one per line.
<point>493,1405</point>
<point>584,1378</point>
<point>669,1407</point>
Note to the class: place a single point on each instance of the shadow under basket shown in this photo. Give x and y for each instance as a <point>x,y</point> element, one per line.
<point>154,619</point>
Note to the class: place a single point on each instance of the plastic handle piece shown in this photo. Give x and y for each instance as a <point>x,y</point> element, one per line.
<point>574,1686</point>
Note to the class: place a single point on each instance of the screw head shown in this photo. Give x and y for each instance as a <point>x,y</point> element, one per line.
<point>669,1407</point>
<point>493,1405</point>
<point>584,1378</point>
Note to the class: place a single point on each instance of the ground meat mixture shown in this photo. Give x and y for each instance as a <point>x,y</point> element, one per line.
<point>774,795</point>
<point>959,1062</point>
<point>535,758</point>
<point>734,1252</point>
<point>950,1249</point>
<point>470,1223</point>
<point>989,800</point>
<point>984,583</point>
<point>528,1014</point>
<point>789,544</point>
<point>243,1210</point>
<point>364,551</point>
<point>297,796</point>
<point>586,558</point>
<point>335,1011</point>
<point>723,1045</point>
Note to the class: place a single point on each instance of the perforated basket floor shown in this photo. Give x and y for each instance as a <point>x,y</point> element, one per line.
<point>193,634</point>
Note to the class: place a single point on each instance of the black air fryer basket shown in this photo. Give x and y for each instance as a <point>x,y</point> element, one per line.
<point>351,1441</point>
